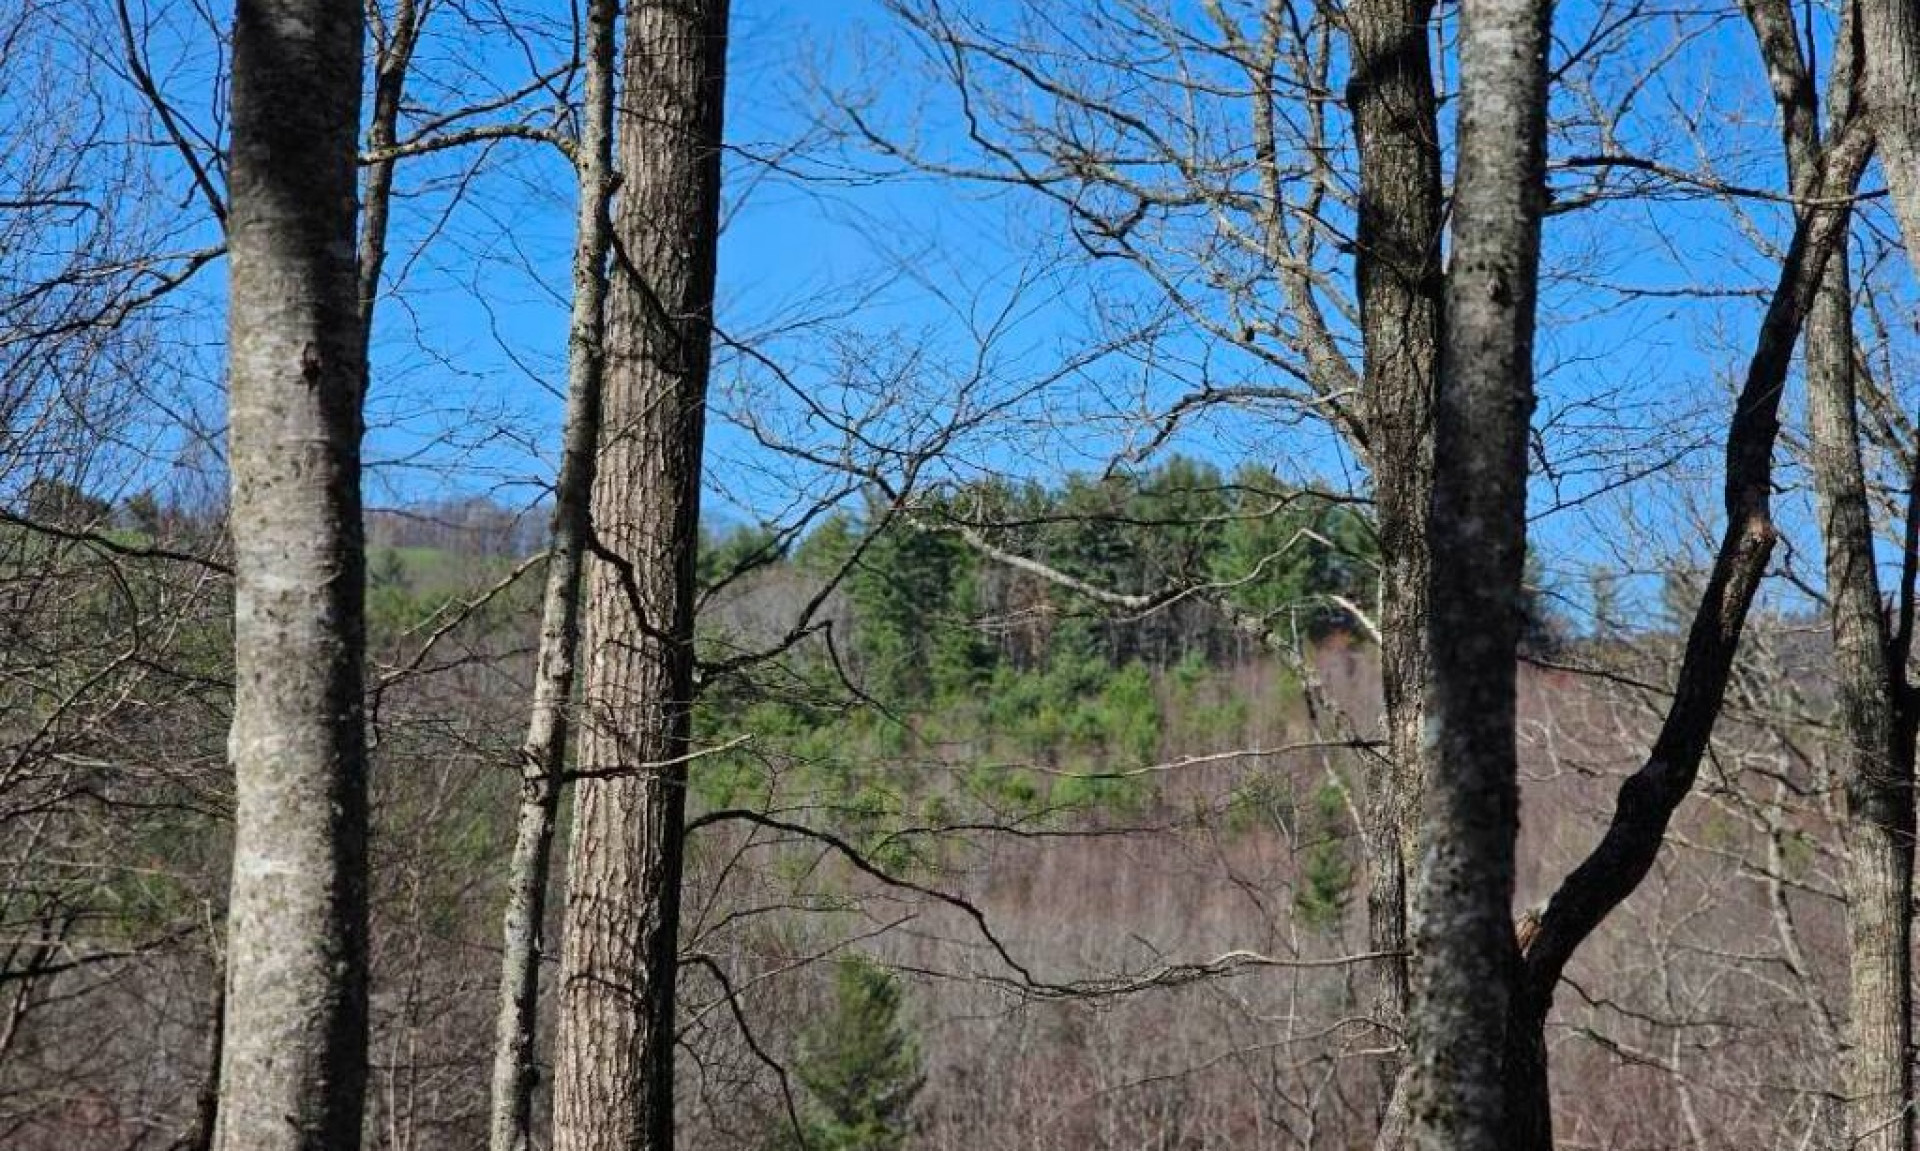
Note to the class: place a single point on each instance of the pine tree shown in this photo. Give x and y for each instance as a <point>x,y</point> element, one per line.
<point>861,1066</point>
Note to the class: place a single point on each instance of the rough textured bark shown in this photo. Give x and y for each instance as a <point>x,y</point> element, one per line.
<point>543,754</point>
<point>1397,264</point>
<point>1874,764</point>
<point>1869,759</point>
<point>293,1066</point>
<point>613,1088</point>
<point>1649,797</point>
<point>199,1135</point>
<point>1464,951</point>
<point>1890,84</point>
<point>1880,792</point>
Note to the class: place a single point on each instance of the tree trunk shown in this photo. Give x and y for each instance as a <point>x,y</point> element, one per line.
<point>1528,1076</point>
<point>1648,798</point>
<point>543,754</point>
<point>1880,784</point>
<point>1890,63</point>
<point>1875,770</point>
<point>393,63</point>
<point>293,1065</point>
<point>199,1135</point>
<point>1398,268</point>
<point>1465,959</point>
<point>613,1088</point>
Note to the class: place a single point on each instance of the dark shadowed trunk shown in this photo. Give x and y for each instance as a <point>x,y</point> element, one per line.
<point>1397,262</point>
<point>1872,761</point>
<point>613,1086</point>
<point>543,754</point>
<point>1464,954</point>
<point>1649,797</point>
<point>293,1064</point>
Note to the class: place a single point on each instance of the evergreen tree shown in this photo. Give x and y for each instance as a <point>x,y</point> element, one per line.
<point>860,1065</point>
<point>914,595</point>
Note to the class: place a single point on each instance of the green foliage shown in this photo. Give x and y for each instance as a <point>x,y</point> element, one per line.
<point>408,586</point>
<point>1263,801</point>
<point>1290,552</point>
<point>392,606</point>
<point>915,595</point>
<point>933,620</point>
<point>1003,787</point>
<point>743,776</point>
<point>167,850</point>
<point>1326,874</point>
<point>1204,712</point>
<point>860,1065</point>
<point>143,513</point>
<point>726,554</point>
<point>1078,714</point>
<point>1126,716</point>
<point>1542,630</point>
<point>1047,698</point>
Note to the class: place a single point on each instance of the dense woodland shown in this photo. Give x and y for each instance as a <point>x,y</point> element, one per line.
<point>1153,575</point>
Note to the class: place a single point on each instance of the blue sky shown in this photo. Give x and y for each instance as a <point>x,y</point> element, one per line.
<point>849,281</point>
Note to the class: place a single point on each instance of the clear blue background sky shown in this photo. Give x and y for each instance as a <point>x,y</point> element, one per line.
<point>834,274</point>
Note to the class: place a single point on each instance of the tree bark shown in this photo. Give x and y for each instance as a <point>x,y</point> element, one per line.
<point>293,1064</point>
<point>1875,770</point>
<point>1465,957</point>
<point>1890,84</point>
<point>613,1088</point>
<point>543,754</point>
<point>393,63</point>
<point>1880,790</point>
<point>1649,797</point>
<point>1397,265</point>
<point>1874,764</point>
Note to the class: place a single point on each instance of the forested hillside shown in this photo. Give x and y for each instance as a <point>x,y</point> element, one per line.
<point>907,575</point>
<point>956,738</point>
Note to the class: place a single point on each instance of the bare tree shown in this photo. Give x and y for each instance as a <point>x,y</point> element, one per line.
<point>293,1058</point>
<point>1397,268</point>
<point>1464,953</point>
<point>1220,179</point>
<point>613,1084</point>
<point>543,754</point>
<point>1648,798</point>
<point>1120,765</point>
<point>1890,87</point>
<point>1874,753</point>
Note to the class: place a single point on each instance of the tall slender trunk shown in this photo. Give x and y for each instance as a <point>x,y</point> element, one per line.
<point>1874,764</point>
<point>1391,95</point>
<point>543,754</point>
<point>199,1135</point>
<point>293,1064</point>
<point>1876,772</point>
<point>613,1085</point>
<point>1890,65</point>
<point>391,67</point>
<point>1648,798</point>
<point>1880,790</point>
<point>1465,959</point>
